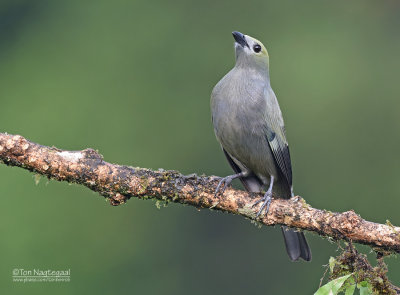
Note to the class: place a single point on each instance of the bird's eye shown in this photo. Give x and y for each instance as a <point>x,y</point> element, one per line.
<point>257,48</point>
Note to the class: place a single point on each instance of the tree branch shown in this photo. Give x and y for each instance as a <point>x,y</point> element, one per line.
<point>119,183</point>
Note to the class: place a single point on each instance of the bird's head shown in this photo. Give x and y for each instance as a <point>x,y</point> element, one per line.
<point>250,52</point>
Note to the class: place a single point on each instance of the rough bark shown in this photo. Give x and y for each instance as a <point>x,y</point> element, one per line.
<point>120,183</point>
<point>350,261</point>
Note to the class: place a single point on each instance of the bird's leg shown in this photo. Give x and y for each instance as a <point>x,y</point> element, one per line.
<point>227,181</point>
<point>266,199</point>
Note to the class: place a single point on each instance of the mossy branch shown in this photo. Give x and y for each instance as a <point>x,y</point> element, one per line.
<point>351,262</point>
<point>119,183</point>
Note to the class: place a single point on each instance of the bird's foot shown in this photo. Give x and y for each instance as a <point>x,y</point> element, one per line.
<point>227,181</point>
<point>266,203</point>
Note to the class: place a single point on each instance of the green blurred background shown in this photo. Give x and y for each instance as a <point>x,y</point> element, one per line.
<point>133,79</point>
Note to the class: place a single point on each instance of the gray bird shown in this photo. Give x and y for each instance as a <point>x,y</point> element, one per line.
<point>248,124</point>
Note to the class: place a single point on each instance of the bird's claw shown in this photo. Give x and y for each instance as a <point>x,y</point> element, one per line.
<point>224,181</point>
<point>266,203</point>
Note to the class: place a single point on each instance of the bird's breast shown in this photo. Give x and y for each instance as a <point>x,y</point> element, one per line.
<point>239,105</point>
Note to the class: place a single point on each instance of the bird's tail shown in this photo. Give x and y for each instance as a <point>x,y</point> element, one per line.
<point>295,242</point>
<point>296,245</point>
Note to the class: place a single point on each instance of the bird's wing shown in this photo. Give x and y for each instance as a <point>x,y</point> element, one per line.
<point>276,135</point>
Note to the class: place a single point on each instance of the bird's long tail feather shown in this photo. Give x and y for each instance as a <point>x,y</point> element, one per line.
<point>295,242</point>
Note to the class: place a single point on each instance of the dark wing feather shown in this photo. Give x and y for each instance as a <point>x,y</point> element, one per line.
<point>280,150</point>
<point>276,135</point>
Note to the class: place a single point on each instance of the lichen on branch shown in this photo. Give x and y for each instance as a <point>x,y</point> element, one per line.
<point>351,262</point>
<point>120,183</point>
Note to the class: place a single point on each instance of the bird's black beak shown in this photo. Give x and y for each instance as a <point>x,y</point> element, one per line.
<point>240,39</point>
